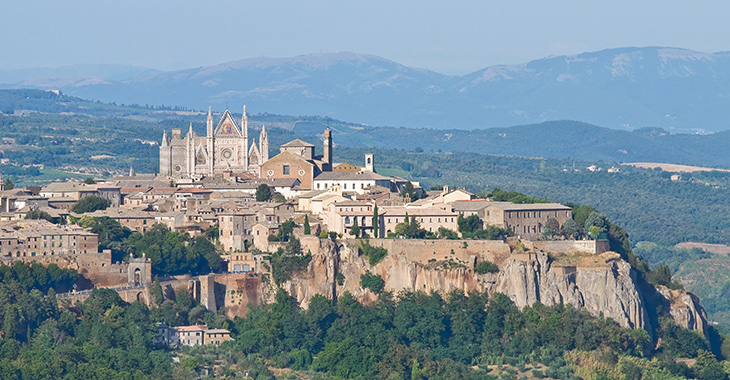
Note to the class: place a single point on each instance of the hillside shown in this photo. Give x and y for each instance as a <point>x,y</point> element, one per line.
<point>556,139</point>
<point>624,88</point>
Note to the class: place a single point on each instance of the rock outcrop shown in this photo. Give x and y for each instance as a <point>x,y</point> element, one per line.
<point>685,309</point>
<point>601,284</point>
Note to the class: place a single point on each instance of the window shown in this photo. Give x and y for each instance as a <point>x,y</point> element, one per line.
<point>285,170</point>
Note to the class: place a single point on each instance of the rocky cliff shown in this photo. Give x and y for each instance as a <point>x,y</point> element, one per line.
<point>601,284</point>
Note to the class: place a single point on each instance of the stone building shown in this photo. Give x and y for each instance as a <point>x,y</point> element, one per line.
<point>29,238</point>
<point>224,149</point>
<point>190,335</point>
<point>429,218</point>
<point>297,159</point>
<point>526,220</point>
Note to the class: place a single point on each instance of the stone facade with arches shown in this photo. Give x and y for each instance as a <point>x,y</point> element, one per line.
<point>224,149</point>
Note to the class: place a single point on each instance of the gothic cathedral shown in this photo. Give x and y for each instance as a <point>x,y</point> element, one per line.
<point>225,149</point>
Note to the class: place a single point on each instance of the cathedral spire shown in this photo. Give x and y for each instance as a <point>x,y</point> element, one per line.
<point>165,140</point>
<point>190,131</point>
<point>244,123</point>
<point>263,145</point>
<point>210,123</point>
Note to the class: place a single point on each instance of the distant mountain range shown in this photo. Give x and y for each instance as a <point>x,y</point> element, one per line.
<point>625,88</point>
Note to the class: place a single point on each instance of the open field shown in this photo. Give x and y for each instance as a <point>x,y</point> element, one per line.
<point>719,249</point>
<point>673,167</point>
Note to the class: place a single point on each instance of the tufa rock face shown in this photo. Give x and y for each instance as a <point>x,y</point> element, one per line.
<point>607,288</point>
<point>685,309</point>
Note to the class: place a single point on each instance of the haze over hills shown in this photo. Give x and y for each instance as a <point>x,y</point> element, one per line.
<point>624,88</point>
<point>555,139</point>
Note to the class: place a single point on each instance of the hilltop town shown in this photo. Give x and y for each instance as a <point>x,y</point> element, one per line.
<point>308,224</point>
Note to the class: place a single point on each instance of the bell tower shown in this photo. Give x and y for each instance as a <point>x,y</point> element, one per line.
<point>327,156</point>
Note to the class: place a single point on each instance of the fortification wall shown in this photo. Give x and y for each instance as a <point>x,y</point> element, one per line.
<point>595,247</point>
<point>238,292</point>
<point>421,251</point>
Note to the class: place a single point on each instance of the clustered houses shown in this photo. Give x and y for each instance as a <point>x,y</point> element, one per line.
<point>213,180</point>
<point>29,238</point>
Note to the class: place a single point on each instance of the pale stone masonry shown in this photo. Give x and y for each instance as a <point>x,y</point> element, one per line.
<point>224,149</point>
<point>29,238</point>
<point>526,220</point>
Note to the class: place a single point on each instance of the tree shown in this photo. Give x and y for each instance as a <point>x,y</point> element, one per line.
<point>90,203</point>
<point>376,221</point>
<point>469,224</point>
<point>445,233</point>
<point>552,228</point>
<point>307,228</point>
<point>294,247</point>
<point>263,193</point>
<point>408,191</point>
<point>355,230</point>
<point>156,292</point>
<point>8,184</point>
<point>89,181</point>
<point>38,214</point>
<point>570,229</point>
<point>598,220</point>
<point>372,281</point>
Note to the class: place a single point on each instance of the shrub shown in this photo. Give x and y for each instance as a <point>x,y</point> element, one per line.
<point>90,203</point>
<point>374,254</point>
<point>486,266</point>
<point>372,281</point>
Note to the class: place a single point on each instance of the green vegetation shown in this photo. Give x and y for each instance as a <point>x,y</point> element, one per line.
<point>284,264</point>
<point>374,254</point>
<point>500,195</point>
<point>307,227</point>
<point>263,193</point>
<point>457,337</point>
<point>90,203</point>
<point>410,229</point>
<point>486,266</point>
<point>372,281</point>
<point>703,273</point>
<point>174,252</point>
<point>694,209</point>
<point>409,192</point>
<point>286,229</point>
<point>38,214</point>
<point>470,228</point>
<point>355,229</point>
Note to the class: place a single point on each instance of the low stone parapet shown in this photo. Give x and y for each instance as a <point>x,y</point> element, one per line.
<point>595,247</point>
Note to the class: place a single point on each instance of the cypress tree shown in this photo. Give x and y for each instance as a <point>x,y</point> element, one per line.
<point>307,228</point>
<point>355,230</point>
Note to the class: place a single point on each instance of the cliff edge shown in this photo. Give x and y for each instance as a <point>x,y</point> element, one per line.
<point>601,284</point>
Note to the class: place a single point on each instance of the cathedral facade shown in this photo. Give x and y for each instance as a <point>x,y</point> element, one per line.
<point>224,149</point>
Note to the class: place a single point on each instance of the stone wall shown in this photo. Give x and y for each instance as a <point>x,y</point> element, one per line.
<point>423,251</point>
<point>564,246</point>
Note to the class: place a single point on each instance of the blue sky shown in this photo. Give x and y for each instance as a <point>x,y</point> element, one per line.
<point>454,37</point>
